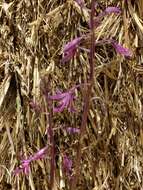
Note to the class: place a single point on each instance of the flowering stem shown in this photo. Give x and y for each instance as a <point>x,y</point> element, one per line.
<point>86,100</point>
<point>52,151</point>
<point>45,83</point>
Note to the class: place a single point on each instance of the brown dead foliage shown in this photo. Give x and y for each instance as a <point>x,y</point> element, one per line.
<point>32,36</point>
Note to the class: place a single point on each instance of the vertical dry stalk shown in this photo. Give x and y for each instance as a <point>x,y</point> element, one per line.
<point>52,144</point>
<point>50,134</point>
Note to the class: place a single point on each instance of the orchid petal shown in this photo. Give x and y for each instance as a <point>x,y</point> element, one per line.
<point>58,96</point>
<point>40,154</point>
<point>72,44</point>
<point>109,10</point>
<point>25,164</point>
<point>72,130</point>
<point>120,49</point>
<point>70,49</point>
<point>68,55</point>
<point>67,164</point>
<point>65,100</point>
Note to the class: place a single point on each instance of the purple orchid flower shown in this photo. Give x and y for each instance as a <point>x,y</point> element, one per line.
<point>70,49</point>
<point>23,168</point>
<point>67,165</point>
<point>73,130</point>
<point>40,154</point>
<point>108,10</point>
<point>121,50</point>
<point>66,100</point>
<point>25,164</point>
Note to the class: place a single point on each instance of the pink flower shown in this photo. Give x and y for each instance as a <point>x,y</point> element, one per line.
<point>121,50</point>
<point>70,49</point>
<point>109,10</point>
<point>25,164</point>
<point>67,164</point>
<point>40,154</point>
<point>23,168</point>
<point>66,100</point>
<point>73,130</point>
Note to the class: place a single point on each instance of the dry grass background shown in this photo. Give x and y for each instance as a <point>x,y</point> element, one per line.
<point>32,35</point>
